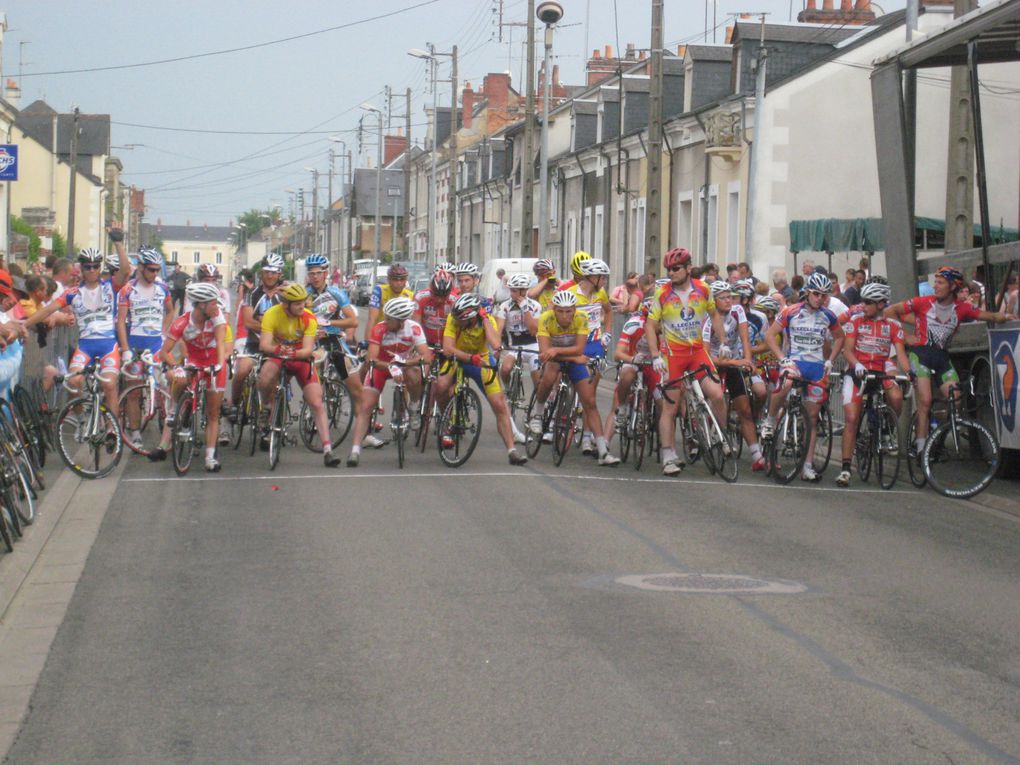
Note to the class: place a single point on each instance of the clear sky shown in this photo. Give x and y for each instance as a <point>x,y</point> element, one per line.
<point>305,89</point>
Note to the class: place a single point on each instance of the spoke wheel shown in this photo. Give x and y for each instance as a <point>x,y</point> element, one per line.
<point>515,394</point>
<point>88,452</point>
<point>277,425</point>
<point>532,441</point>
<point>704,439</point>
<point>627,432</point>
<point>865,446</point>
<point>152,411</point>
<point>789,445</point>
<point>183,432</point>
<point>887,466</point>
<point>22,499</point>
<point>254,422</point>
<point>823,442</point>
<point>427,410</point>
<point>914,468</point>
<point>688,432</point>
<point>399,423</point>
<point>562,426</point>
<point>35,431</point>
<point>960,462</point>
<point>461,421</point>
<point>733,433</point>
<point>5,528</point>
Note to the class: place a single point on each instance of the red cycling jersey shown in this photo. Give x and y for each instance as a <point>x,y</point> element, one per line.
<point>935,324</point>
<point>871,340</point>
<point>199,342</point>
<point>434,310</point>
<point>399,343</point>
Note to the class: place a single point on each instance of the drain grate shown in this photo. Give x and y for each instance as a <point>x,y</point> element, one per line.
<point>719,584</point>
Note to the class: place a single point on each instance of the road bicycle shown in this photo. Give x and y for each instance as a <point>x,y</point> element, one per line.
<point>280,416</point>
<point>16,477</point>
<point>16,436</point>
<point>516,398</point>
<point>788,446</point>
<point>460,423</point>
<point>339,409</point>
<point>637,425</point>
<point>878,435</point>
<point>400,412</point>
<point>144,405</point>
<point>713,443</point>
<point>733,431</point>
<point>34,430</point>
<point>961,455</point>
<point>246,410</point>
<point>89,440</point>
<point>428,409</point>
<point>190,421</point>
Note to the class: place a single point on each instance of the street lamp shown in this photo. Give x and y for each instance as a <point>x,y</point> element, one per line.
<point>378,186</point>
<point>549,13</point>
<point>430,228</point>
<point>315,208</point>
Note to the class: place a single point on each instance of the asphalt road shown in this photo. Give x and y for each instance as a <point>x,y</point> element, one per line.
<point>476,616</point>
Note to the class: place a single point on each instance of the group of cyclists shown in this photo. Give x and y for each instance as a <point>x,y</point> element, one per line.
<point>743,349</point>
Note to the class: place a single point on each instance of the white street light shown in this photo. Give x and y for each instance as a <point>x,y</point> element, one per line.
<point>378,184</point>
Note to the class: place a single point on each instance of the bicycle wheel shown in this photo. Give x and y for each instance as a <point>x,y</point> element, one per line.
<point>627,432</point>
<point>277,425</point>
<point>689,434</point>
<point>254,422</point>
<point>242,415</point>
<point>399,423</point>
<point>461,421</point>
<point>823,441</point>
<point>562,426</point>
<point>185,424</point>
<point>426,411</point>
<point>20,455</point>
<point>864,446</point>
<point>734,434</point>
<point>20,495</point>
<point>960,458</point>
<point>35,431</point>
<point>151,417</point>
<point>5,529</point>
<point>887,465</point>
<point>789,445</point>
<point>532,441</point>
<point>914,467</point>
<point>703,437</point>
<point>89,439</point>
<point>515,394</point>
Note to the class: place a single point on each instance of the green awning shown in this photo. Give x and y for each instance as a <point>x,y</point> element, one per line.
<point>866,234</point>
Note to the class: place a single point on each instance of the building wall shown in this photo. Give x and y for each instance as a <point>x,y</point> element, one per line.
<point>220,254</point>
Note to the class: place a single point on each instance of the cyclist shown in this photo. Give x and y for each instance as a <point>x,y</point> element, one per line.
<point>260,300</point>
<point>593,303</point>
<point>204,332</point>
<point>870,337</point>
<point>396,338</point>
<point>94,305</point>
<point>632,349</point>
<point>288,330</point>
<point>547,284</point>
<point>806,328</point>
<point>334,315</point>
<point>517,320</point>
<point>765,372</point>
<point>468,277</point>
<point>210,274</point>
<point>936,319</point>
<point>733,360</point>
<point>472,339</point>
<point>396,286</point>
<point>433,306</point>
<point>145,305</point>
<point>575,268</point>
<point>679,309</point>
<point>563,338</point>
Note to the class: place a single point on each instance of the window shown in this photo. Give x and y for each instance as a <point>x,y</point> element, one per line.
<point>393,191</point>
<point>219,258</point>
<point>173,255</point>
<point>554,196</point>
<point>685,223</point>
<point>196,257</point>
<point>571,242</point>
<point>599,232</point>
<point>712,221</point>
<point>638,263</point>
<point>585,231</point>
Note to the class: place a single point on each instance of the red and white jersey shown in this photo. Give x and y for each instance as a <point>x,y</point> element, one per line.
<point>434,310</point>
<point>873,340</point>
<point>935,323</point>
<point>199,341</point>
<point>633,337</point>
<point>399,343</point>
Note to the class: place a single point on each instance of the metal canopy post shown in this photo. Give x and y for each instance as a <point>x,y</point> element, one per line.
<point>982,179</point>
<point>894,173</point>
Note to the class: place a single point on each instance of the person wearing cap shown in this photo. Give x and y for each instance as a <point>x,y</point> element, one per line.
<point>11,332</point>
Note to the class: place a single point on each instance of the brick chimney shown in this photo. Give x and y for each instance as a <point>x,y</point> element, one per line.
<point>496,90</point>
<point>468,105</point>
<point>849,13</point>
<point>601,67</point>
<point>393,146</point>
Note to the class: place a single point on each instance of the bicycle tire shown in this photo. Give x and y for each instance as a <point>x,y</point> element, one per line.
<point>149,425</point>
<point>455,421</point>
<point>974,471</point>
<point>789,444</point>
<point>562,425</point>
<point>515,393</point>
<point>914,467</point>
<point>727,465</point>
<point>5,531</point>
<point>400,423</point>
<point>69,448</point>
<point>277,424</point>
<point>22,496</point>
<point>16,433</point>
<point>532,442</point>
<point>734,434</point>
<point>254,423</point>
<point>887,466</point>
<point>182,434</point>
<point>864,447</point>
<point>28,412</point>
<point>703,430</point>
<point>823,427</point>
<point>21,456</point>
<point>626,433</point>
<point>640,428</point>
<point>242,416</point>
<point>689,436</point>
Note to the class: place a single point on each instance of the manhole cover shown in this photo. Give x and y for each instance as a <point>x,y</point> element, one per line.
<point>722,584</point>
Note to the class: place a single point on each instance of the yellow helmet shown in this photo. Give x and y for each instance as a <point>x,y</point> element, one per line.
<point>575,262</point>
<point>294,293</point>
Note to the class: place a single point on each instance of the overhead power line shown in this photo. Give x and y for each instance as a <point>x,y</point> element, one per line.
<point>225,51</point>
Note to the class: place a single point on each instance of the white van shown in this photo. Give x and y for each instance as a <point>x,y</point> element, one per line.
<point>487,286</point>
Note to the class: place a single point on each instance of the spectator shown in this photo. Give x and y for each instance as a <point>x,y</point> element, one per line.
<point>626,298</point>
<point>797,288</point>
<point>178,282</point>
<point>502,293</point>
<point>35,289</point>
<point>852,294</point>
<point>1010,299</point>
<point>710,272</point>
<point>865,266</point>
<point>745,272</point>
<point>732,273</point>
<point>977,288</point>
<point>850,277</point>
<point>15,270</point>
<point>761,289</point>
<point>807,268</point>
<point>336,277</point>
<point>697,272</point>
<point>782,285</point>
<point>646,283</point>
<point>61,273</point>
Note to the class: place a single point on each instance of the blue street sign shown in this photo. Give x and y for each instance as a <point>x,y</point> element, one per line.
<point>8,162</point>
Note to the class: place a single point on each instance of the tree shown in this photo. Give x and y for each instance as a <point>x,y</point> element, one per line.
<point>59,245</point>
<point>20,226</point>
<point>253,221</point>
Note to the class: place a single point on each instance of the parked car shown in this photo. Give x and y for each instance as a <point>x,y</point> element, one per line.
<point>487,285</point>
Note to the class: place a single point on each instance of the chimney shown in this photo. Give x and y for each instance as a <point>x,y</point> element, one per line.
<point>729,35</point>
<point>630,52</point>
<point>599,67</point>
<point>393,147</point>
<point>496,89</point>
<point>596,53</point>
<point>849,13</point>
<point>13,93</point>
<point>681,51</point>
<point>609,51</point>
<point>468,105</point>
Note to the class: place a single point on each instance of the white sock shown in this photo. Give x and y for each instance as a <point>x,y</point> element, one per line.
<point>601,445</point>
<point>919,445</point>
<point>356,449</point>
<point>756,451</point>
<point>809,465</point>
<point>327,447</point>
<point>587,434</point>
<point>210,453</point>
<point>668,454</point>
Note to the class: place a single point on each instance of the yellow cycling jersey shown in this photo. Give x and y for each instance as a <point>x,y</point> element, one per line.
<point>591,307</point>
<point>545,298</point>
<point>383,293</point>
<point>468,339</point>
<point>681,322</point>
<point>289,330</point>
<point>560,336</point>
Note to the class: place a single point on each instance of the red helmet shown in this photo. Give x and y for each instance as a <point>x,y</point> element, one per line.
<point>678,256</point>
<point>442,282</point>
<point>396,271</point>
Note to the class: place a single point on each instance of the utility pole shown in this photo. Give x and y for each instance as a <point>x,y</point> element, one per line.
<point>329,211</point>
<point>454,205</point>
<point>74,178</point>
<point>528,150</point>
<point>543,165</point>
<point>755,162</point>
<point>653,204</point>
<point>315,211</point>
<point>350,212</point>
<point>960,169</point>
<point>407,175</point>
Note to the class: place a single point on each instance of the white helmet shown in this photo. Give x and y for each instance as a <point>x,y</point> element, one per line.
<point>721,287</point>
<point>399,308</point>
<point>467,268</point>
<point>565,298</point>
<point>113,262</point>
<point>202,292</point>
<point>519,282</point>
<point>594,267</point>
<point>273,262</point>
<point>876,292</point>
